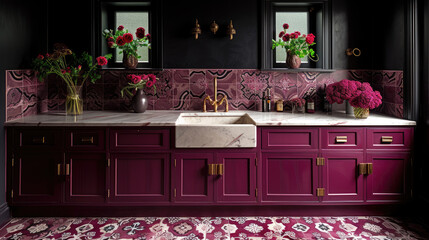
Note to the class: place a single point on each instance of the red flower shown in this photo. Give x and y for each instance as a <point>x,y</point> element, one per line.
<point>79,67</point>
<point>292,36</point>
<point>63,71</point>
<point>285,26</point>
<point>68,70</point>
<point>149,37</point>
<point>128,37</point>
<point>48,55</point>
<point>120,41</point>
<point>40,56</point>
<point>309,39</point>
<point>281,34</point>
<point>101,61</point>
<point>110,39</point>
<point>120,28</point>
<point>134,78</point>
<point>286,37</point>
<point>297,33</point>
<point>140,32</point>
<point>151,81</point>
<point>110,44</point>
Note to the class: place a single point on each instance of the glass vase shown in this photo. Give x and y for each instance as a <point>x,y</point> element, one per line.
<point>361,113</point>
<point>74,100</point>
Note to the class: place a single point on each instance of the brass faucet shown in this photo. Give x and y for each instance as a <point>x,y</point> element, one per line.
<point>215,103</point>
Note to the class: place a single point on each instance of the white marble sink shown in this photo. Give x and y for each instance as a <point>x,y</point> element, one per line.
<point>215,130</point>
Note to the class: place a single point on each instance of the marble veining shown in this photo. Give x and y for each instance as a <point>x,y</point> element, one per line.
<point>169,118</point>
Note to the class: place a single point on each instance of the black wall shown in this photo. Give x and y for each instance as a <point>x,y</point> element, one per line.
<point>23,36</point>
<point>181,50</point>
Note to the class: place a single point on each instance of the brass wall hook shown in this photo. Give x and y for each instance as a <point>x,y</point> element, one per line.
<point>230,30</point>
<point>356,52</point>
<point>214,27</point>
<point>197,29</point>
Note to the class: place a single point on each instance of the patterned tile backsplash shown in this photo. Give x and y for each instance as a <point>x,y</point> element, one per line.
<point>185,89</point>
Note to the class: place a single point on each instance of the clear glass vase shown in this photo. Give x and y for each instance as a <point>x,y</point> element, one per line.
<point>361,113</point>
<point>74,100</point>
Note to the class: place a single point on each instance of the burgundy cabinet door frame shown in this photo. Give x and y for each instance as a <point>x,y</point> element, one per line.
<point>341,178</point>
<point>139,139</point>
<point>86,178</point>
<point>139,177</point>
<point>390,179</point>
<point>289,138</point>
<point>36,178</point>
<point>238,182</point>
<point>289,177</point>
<point>192,183</point>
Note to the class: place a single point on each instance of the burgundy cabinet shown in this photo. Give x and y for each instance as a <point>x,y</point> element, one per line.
<point>85,139</point>
<point>86,177</point>
<point>389,138</point>
<point>192,181</point>
<point>282,138</point>
<point>343,138</point>
<point>289,176</point>
<point>36,178</point>
<point>341,178</point>
<point>237,181</point>
<point>139,139</point>
<point>215,177</point>
<point>389,180</point>
<point>139,177</point>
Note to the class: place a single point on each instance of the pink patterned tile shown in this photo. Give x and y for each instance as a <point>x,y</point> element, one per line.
<point>245,104</point>
<point>251,84</point>
<point>391,78</point>
<point>14,79</point>
<point>198,83</point>
<point>389,94</point>
<point>13,113</point>
<point>13,97</point>
<point>29,95</point>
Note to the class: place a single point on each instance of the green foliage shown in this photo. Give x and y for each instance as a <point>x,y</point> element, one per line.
<point>68,66</point>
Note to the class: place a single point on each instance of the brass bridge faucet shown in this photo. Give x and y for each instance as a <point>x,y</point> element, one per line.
<point>215,103</point>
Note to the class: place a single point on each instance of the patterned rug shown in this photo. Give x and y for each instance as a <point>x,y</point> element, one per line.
<point>234,228</point>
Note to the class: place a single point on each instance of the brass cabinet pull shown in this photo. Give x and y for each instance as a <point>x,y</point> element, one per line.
<point>362,169</point>
<point>369,169</point>
<point>59,169</point>
<point>39,140</point>
<point>220,169</point>
<point>340,139</point>
<point>365,168</point>
<point>386,139</point>
<point>87,139</point>
<point>212,169</point>
<point>67,169</point>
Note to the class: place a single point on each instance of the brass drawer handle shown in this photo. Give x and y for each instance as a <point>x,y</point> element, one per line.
<point>386,139</point>
<point>340,139</point>
<point>67,169</point>
<point>59,169</point>
<point>87,139</point>
<point>365,168</point>
<point>39,140</point>
<point>220,169</point>
<point>369,168</point>
<point>362,169</point>
<point>212,169</point>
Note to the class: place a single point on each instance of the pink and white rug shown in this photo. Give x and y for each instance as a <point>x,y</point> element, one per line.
<point>234,228</point>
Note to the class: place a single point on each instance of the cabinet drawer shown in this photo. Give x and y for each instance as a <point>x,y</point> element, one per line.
<point>296,138</point>
<point>86,139</point>
<point>342,138</point>
<point>389,138</point>
<point>38,138</point>
<point>139,139</point>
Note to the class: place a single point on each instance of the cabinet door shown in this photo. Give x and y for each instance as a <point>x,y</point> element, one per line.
<point>85,177</point>
<point>289,177</point>
<point>139,177</point>
<point>389,179</point>
<point>37,178</point>
<point>192,181</point>
<point>238,180</point>
<point>341,178</point>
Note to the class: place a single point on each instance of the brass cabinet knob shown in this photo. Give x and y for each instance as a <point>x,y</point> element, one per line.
<point>341,139</point>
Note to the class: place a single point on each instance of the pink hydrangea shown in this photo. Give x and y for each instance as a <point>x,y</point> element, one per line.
<point>367,99</point>
<point>342,90</point>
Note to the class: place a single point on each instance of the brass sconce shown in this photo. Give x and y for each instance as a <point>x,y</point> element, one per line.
<point>230,30</point>
<point>197,29</point>
<point>214,27</point>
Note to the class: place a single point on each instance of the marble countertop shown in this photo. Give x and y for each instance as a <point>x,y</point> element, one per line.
<point>169,118</point>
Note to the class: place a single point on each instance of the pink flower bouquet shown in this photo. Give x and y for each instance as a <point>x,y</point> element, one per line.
<point>139,82</point>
